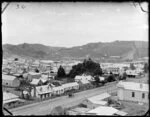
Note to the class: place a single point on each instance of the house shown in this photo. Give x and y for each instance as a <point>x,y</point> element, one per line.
<point>132,73</point>
<point>10,81</point>
<point>78,111</point>
<point>101,78</point>
<point>57,82</point>
<point>84,77</point>
<point>114,70</point>
<point>133,91</point>
<point>83,84</point>
<point>42,92</point>
<point>99,99</point>
<point>103,110</point>
<point>10,99</point>
<point>58,90</point>
<point>44,80</point>
<point>70,86</point>
<point>32,75</point>
<point>89,104</point>
<point>47,64</point>
<point>95,101</point>
<point>36,82</point>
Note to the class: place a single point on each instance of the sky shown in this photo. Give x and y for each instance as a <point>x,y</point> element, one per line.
<point>73,24</point>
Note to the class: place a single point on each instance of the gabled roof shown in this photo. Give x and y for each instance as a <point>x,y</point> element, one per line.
<point>9,96</point>
<point>103,110</point>
<point>34,73</point>
<point>46,61</point>
<point>80,109</point>
<point>43,89</point>
<point>58,88</point>
<point>8,77</point>
<point>78,77</point>
<point>121,113</point>
<point>86,77</point>
<point>102,78</point>
<point>43,80</point>
<point>35,81</point>
<point>131,72</point>
<point>96,99</point>
<point>84,81</point>
<point>134,86</point>
<point>70,84</point>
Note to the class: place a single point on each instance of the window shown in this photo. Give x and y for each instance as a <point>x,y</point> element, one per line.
<point>143,95</point>
<point>40,88</point>
<point>133,94</point>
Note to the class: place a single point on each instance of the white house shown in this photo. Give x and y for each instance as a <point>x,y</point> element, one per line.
<point>58,90</point>
<point>102,110</point>
<point>42,92</point>
<point>133,91</point>
<point>10,99</point>
<point>98,99</point>
<point>10,81</point>
<point>36,82</point>
<point>132,73</point>
<point>32,75</point>
<point>69,86</point>
<point>101,78</point>
<point>84,77</point>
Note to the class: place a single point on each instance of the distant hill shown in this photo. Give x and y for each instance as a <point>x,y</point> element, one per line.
<point>124,49</point>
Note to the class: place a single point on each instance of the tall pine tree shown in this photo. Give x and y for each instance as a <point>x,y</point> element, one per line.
<point>61,72</point>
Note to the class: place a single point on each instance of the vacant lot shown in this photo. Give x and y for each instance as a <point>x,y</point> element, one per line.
<point>134,109</point>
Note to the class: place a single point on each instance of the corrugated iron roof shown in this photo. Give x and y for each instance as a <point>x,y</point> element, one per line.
<point>103,110</point>
<point>134,86</point>
<point>70,84</point>
<point>96,99</point>
<point>8,77</point>
<point>9,96</point>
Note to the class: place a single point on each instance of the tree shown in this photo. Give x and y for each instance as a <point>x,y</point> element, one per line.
<point>124,76</point>
<point>145,67</point>
<point>16,59</point>
<point>98,70</point>
<point>88,66</point>
<point>132,66</point>
<point>97,80</point>
<point>61,72</point>
<point>36,70</point>
<point>111,77</point>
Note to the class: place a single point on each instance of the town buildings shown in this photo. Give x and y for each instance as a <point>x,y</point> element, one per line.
<point>10,81</point>
<point>10,99</point>
<point>132,91</point>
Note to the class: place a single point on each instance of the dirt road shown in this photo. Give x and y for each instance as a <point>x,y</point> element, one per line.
<point>44,108</point>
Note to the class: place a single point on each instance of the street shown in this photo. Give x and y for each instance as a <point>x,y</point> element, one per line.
<point>45,107</point>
